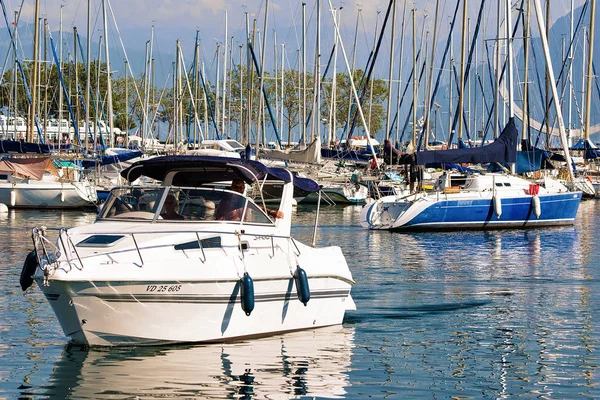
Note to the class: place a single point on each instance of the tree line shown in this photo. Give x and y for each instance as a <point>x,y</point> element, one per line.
<point>241,104</point>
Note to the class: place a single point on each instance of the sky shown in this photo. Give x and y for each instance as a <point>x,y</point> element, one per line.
<point>180,19</point>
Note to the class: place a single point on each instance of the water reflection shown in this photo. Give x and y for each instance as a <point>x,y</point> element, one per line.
<point>310,363</point>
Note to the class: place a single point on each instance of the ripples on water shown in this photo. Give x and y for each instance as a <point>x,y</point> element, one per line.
<point>453,314</point>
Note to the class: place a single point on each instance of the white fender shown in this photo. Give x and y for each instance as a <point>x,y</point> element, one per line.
<point>497,205</point>
<point>62,197</point>
<point>537,208</point>
<point>13,198</point>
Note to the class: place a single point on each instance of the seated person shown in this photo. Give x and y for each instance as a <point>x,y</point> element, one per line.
<point>232,205</point>
<point>170,207</point>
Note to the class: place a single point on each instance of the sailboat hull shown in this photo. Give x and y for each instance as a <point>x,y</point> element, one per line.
<point>489,201</point>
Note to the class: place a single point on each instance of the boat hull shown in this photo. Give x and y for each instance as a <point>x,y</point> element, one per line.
<point>42,195</point>
<point>193,301</point>
<point>470,212</point>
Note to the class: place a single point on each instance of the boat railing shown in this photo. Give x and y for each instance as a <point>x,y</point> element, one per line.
<point>50,253</point>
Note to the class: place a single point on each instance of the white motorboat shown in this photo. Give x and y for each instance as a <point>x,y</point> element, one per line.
<point>135,277</point>
<point>37,183</point>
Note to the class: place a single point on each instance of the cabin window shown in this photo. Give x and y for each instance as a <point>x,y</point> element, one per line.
<point>100,241</point>
<point>3,176</point>
<point>506,183</point>
<point>207,243</point>
<point>498,183</point>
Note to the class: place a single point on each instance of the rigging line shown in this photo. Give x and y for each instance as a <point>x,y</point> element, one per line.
<point>443,62</point>
<point>370,70</point>
<point>9,50</point>
<point>467,73</point>
<point>137,91</point>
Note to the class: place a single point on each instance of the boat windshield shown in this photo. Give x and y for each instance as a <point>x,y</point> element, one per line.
<point>181,204</point>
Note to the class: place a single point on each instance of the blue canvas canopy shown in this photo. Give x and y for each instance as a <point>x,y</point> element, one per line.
<point>503,149</point>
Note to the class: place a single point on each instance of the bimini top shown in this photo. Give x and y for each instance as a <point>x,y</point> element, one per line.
<point>198,170</point>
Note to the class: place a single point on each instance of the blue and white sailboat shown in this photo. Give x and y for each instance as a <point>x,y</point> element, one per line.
<point>482,201</point>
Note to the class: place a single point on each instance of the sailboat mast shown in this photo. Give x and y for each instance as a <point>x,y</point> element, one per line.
<point>88,82</point>
<point>570,73</point>
<point>550,74</point>
<point>109,104</point>
<point>414,80</point>
<point>590,70</point>
<point>225,43</point>
<point>509,77</point>
<point>391,74</point>
<point>430,84</point>
<point>34,72</point>
<point>526,34</point>
<point>462,94</point>
<point>60,92</point>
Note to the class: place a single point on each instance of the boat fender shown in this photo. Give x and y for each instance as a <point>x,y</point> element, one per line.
<point>497,205</point>
<point>29,267</point>
<point>301,280</point>
<point>13,198</point>
<point>247,293</point>
<point>537,207</point>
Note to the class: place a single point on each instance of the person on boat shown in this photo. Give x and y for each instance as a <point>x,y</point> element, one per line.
<point>170,207</point>
<point>231,207</point>
<point>390,153</point>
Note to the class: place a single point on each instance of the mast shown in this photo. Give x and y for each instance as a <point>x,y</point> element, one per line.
<point>282,93</point>
<point>225,43</point>
<point>430,84</point>
<point>60,92</point>
<point>95,126</point>
<point>303,122</point>
<point>88,82</point>
<point>15,78</point>
<point>126,105</point>
<point>461,95</point>
<point>109,104</point>
<point>399,95</point>
<point>351,73</point>
<point>590,70</point>
<point>509,77</point>
<point>371,83</point>
<point>570,76</point>
<point>414,80</point>
<point>526,34</point>
<point>549,69</point>
<point>497,76</point>
<point>34,73</point>
<point>317,87</point>
<point>391,74</point>
<point>77,101</point>
<point>262,78</point>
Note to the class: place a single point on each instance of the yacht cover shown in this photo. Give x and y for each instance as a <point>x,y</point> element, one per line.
<point>32,168</point>
<point>503,149</point>
<point>311,154</point>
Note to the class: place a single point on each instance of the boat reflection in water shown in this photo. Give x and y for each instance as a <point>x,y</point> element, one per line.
<point>311,363</point>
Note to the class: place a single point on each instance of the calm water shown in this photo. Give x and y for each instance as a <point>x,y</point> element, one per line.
<point>444,315</point>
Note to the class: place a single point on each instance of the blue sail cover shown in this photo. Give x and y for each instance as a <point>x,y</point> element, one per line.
<point>503,149</point>
<point>591,151</point>
<point>16,146</point>
<point>113,159</point>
